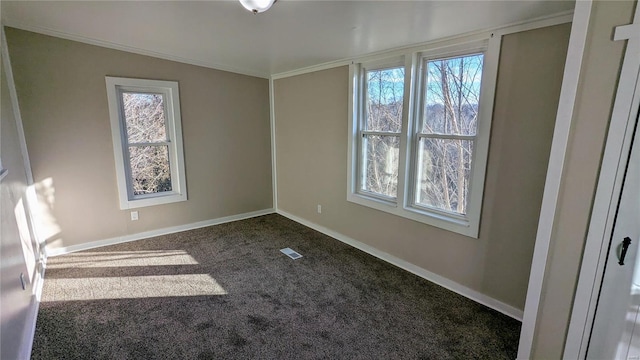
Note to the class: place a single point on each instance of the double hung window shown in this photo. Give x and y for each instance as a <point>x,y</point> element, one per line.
<point>147,139</point>
<point>446,132</point>
<point>382,104</point>
<point>419,134</point>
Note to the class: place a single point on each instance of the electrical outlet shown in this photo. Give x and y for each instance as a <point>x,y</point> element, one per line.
<point>319,209</point>
<point>134,215</point>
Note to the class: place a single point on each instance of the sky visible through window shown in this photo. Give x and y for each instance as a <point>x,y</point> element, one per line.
<point>383,113</point>
<point>467,70</point>
<point>450,100</point>
<point>386,86</point>
<point>452,95</point>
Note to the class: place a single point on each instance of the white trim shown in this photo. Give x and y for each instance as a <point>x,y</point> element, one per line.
<point>541,22</point>
<point>152,233</point>
<point>352,114</point>
<point>606,199</point>
<point>38,282</point>
<point>416,270</point>
<point>554,177</point>
<point>551,20</point>
<point>32,316</point>
<point>272,126</point>
<point>412,86</point>
<point>404,204</point>
<point>16,107</point>
<point>311,69</point>
<point>131,49</point>
<point>627,32</point>
<point>483,133</point>
<point>358,123</point>
<point>173,123</point>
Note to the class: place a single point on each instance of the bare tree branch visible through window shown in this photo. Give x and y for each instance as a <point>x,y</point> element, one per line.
<point>147,142</point>
<point>451,113</point>
<point>383,113</point>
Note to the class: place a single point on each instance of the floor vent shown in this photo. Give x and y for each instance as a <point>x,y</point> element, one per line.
<point>290,253</point>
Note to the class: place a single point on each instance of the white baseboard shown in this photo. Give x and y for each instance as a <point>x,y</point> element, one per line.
<point>428,275</point>
<point>32,316</point>
<point>152,233</point>
<point>425,274</point>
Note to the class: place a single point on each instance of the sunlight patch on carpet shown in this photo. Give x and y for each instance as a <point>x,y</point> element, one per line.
<point>122,258</point>
<point>133,287</point>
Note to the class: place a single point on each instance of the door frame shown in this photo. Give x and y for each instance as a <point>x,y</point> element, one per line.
<point>553,181</point>
<point>618,144</point>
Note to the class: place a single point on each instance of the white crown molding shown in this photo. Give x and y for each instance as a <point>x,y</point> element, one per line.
<point>549,20</point>
<point>416,270</point>
<point>313,68</point>
<point>130,49</point>
<point>147,234</point>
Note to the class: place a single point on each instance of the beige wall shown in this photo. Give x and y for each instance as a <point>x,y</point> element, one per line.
<point>311,137</point>
<point>62,93</point>
<point>17,311</point>
<point>598,80</point>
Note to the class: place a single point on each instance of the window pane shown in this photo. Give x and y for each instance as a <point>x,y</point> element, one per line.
<point>381,164</point>
<point>150,171</point>
<point>452,95</point>
<point>385,93</point>
<point>444,166</point>
<point>144,117</point>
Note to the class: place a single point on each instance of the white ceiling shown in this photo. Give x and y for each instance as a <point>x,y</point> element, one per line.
<point>293,34</point>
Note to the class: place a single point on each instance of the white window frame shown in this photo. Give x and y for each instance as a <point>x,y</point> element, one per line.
<point>171,99</point>
<point>387,63</point>
<point>404,205</point>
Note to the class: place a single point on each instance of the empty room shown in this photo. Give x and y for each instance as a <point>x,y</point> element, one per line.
<point>307,179</point>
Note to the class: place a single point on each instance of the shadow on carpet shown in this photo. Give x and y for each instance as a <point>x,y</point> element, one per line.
<point>227,292</point>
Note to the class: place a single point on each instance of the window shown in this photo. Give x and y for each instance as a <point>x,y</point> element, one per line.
<point>420,132</point>
<point>447,131</point>
<point>380,135</point>
<point>147,141</point>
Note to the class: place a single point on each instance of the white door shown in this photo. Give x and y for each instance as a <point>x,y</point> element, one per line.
<point>604,318</point>
<point>616,328</point>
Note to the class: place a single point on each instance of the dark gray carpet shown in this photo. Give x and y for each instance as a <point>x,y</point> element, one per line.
<point>226,292</point>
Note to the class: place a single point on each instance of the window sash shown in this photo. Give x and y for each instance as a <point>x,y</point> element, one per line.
<point>424,88</point>
<point>171,156</point>
<point>363,162</point>
<point>363,132</point>
<point>443,136</point>
<point>172,141</point>
<point>404,205</point>
<point>365,97</point>
<point>159,143</point>
<point>381,133</point>
<point>121,90</point>
<point>419,136</point>
<point>415,187</point>
<point>129,172</point>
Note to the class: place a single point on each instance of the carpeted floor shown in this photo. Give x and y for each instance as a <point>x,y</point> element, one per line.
<point>227,292</point>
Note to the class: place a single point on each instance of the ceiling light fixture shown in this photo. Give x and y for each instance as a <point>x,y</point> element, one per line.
<point>257,6</point>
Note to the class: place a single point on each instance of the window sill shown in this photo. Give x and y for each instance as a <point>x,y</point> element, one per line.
<point>450,223</point>
<point>169,198</point>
